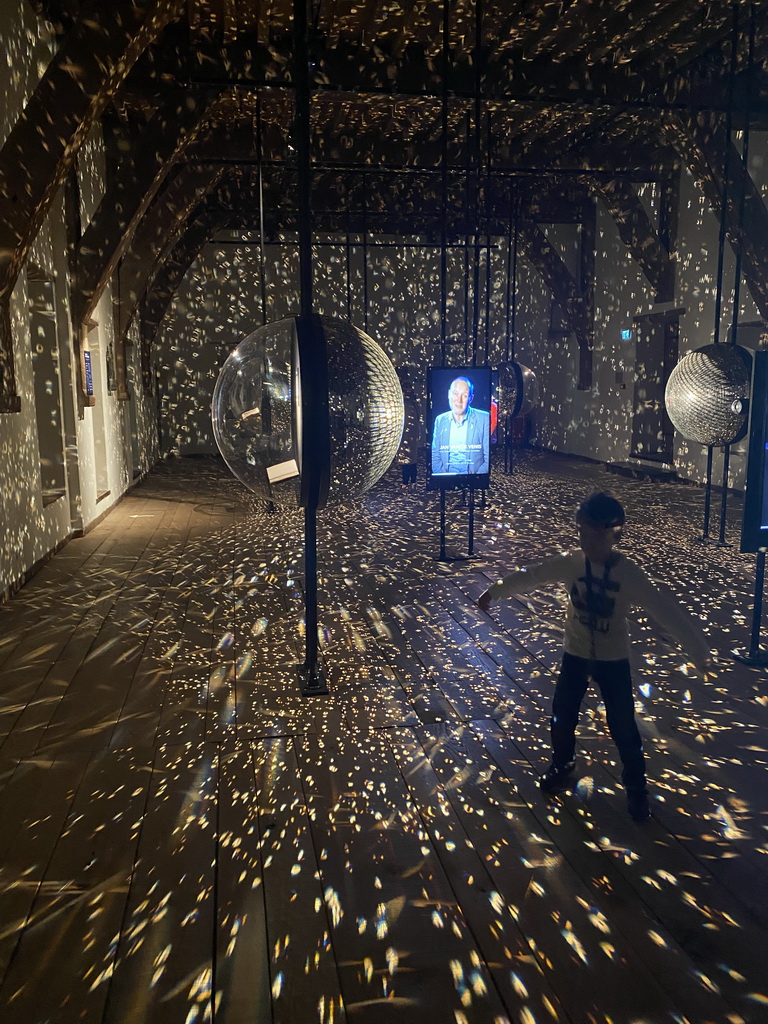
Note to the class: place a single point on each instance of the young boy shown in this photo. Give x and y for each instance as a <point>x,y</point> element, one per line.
<point>602,584</point>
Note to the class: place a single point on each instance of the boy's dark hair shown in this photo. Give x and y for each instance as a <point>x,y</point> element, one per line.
<point>601,509</point>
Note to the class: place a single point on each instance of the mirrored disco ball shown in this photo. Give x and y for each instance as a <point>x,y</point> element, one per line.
<point>365,404</point>
<point>707,394</point>
<point>519,389</point>
<point>257,411</point>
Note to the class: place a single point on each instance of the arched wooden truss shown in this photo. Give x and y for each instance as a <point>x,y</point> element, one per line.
<point>188,73</point>
<point>210,217</point>
<point>92,61</point>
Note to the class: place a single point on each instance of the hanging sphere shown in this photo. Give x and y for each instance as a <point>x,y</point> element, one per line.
<point>707,394</point>
<point>519,389</point>
<point>366,410</point>
<point>257,411</point>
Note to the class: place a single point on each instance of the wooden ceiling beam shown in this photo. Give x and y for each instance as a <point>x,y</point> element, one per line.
<point>130,193</point>
<point>537,23</point>
<point>350,66</point>
<point>574,302</point>
<point>163,222</point>
<point>83,75</point>
<point>691,40</point>
<point>638,234</point>
<point>701,144</point>
<point>210,219</point>
<point>582,20</point>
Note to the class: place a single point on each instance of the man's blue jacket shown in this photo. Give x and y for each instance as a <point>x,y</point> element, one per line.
<point>478,439</point>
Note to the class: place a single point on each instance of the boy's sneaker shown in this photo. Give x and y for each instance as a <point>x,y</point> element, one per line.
<point>556,776</point>
<point>638,806</point>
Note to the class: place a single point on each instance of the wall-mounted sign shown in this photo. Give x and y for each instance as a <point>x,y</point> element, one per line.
<point>88,373</point>
<point>626,335</point>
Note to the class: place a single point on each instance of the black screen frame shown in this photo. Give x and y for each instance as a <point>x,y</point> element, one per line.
<point>437,376</point>
<point>754,526</point>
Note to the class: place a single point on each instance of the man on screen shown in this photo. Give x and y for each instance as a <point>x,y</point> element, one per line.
<point>461,437</point>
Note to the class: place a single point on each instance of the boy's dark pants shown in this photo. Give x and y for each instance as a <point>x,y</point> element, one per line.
<point>615,682</point>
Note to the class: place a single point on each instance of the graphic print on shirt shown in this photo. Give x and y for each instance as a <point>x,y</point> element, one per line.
<point>593,604</point>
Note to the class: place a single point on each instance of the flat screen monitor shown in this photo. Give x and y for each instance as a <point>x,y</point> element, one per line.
<point>459,426</point>
<point>754,527</point>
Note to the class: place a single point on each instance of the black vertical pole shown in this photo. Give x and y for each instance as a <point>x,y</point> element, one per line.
<point>488,242</point>
<point>303,154</point>
<point>721,240</point>
<point>444,183</point>
<point>513,334</point>
<point>737,268</point>
<point>508,317</point>
<point>471,540</point>
<point>476,269</point>
<point>478,143</point>
<point>365,257</point>
<point>707,494</point>
<point>304,208</point>
<point>757,609</point>
<point>755,656</point>
<point>349,251</point>
<point>442,556</point>
<point>262,253</point>
<point>467,205</point>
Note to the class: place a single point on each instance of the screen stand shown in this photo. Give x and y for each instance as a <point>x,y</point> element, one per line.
<point>444,556</point>
<point>471,538</point>
<point>756,656</point>
<point>311,675</point>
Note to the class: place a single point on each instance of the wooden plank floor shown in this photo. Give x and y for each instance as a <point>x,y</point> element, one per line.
<point>186,839</point>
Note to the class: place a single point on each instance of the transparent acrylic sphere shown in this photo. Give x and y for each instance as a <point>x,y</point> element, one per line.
<point>519,389</point>
<point>254,410</point>
<point>257,416</point>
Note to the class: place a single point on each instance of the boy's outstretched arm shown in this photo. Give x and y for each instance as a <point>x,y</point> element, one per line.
<point>669,613</point>
<point>551,570</point>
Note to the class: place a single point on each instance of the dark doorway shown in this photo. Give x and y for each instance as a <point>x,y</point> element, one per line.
<point>656,345</point>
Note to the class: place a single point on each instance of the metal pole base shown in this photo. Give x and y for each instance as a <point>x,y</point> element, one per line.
<point>713,542</point>
<point>450,556</point>
<point>312,681</point>
<point>758,659</point>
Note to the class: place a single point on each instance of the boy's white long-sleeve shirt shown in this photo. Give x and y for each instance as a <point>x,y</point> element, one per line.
<point>598,603</point>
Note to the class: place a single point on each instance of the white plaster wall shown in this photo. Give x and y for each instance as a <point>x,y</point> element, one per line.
<point>141,422</point>
<point>219,303</point>
<point>697,291</point>
<point>27,45</point>
<point>597,424</point>
<point>105,474</point>
<point>28,529</point>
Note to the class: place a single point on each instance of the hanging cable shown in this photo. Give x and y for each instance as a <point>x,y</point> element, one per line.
<point>740,241</point>
<point>262,253</point>
<point>477,154</point>
<point>348,197</point>
<point>725,198</point>
<point>487,237</point>
<point>444,184</point>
